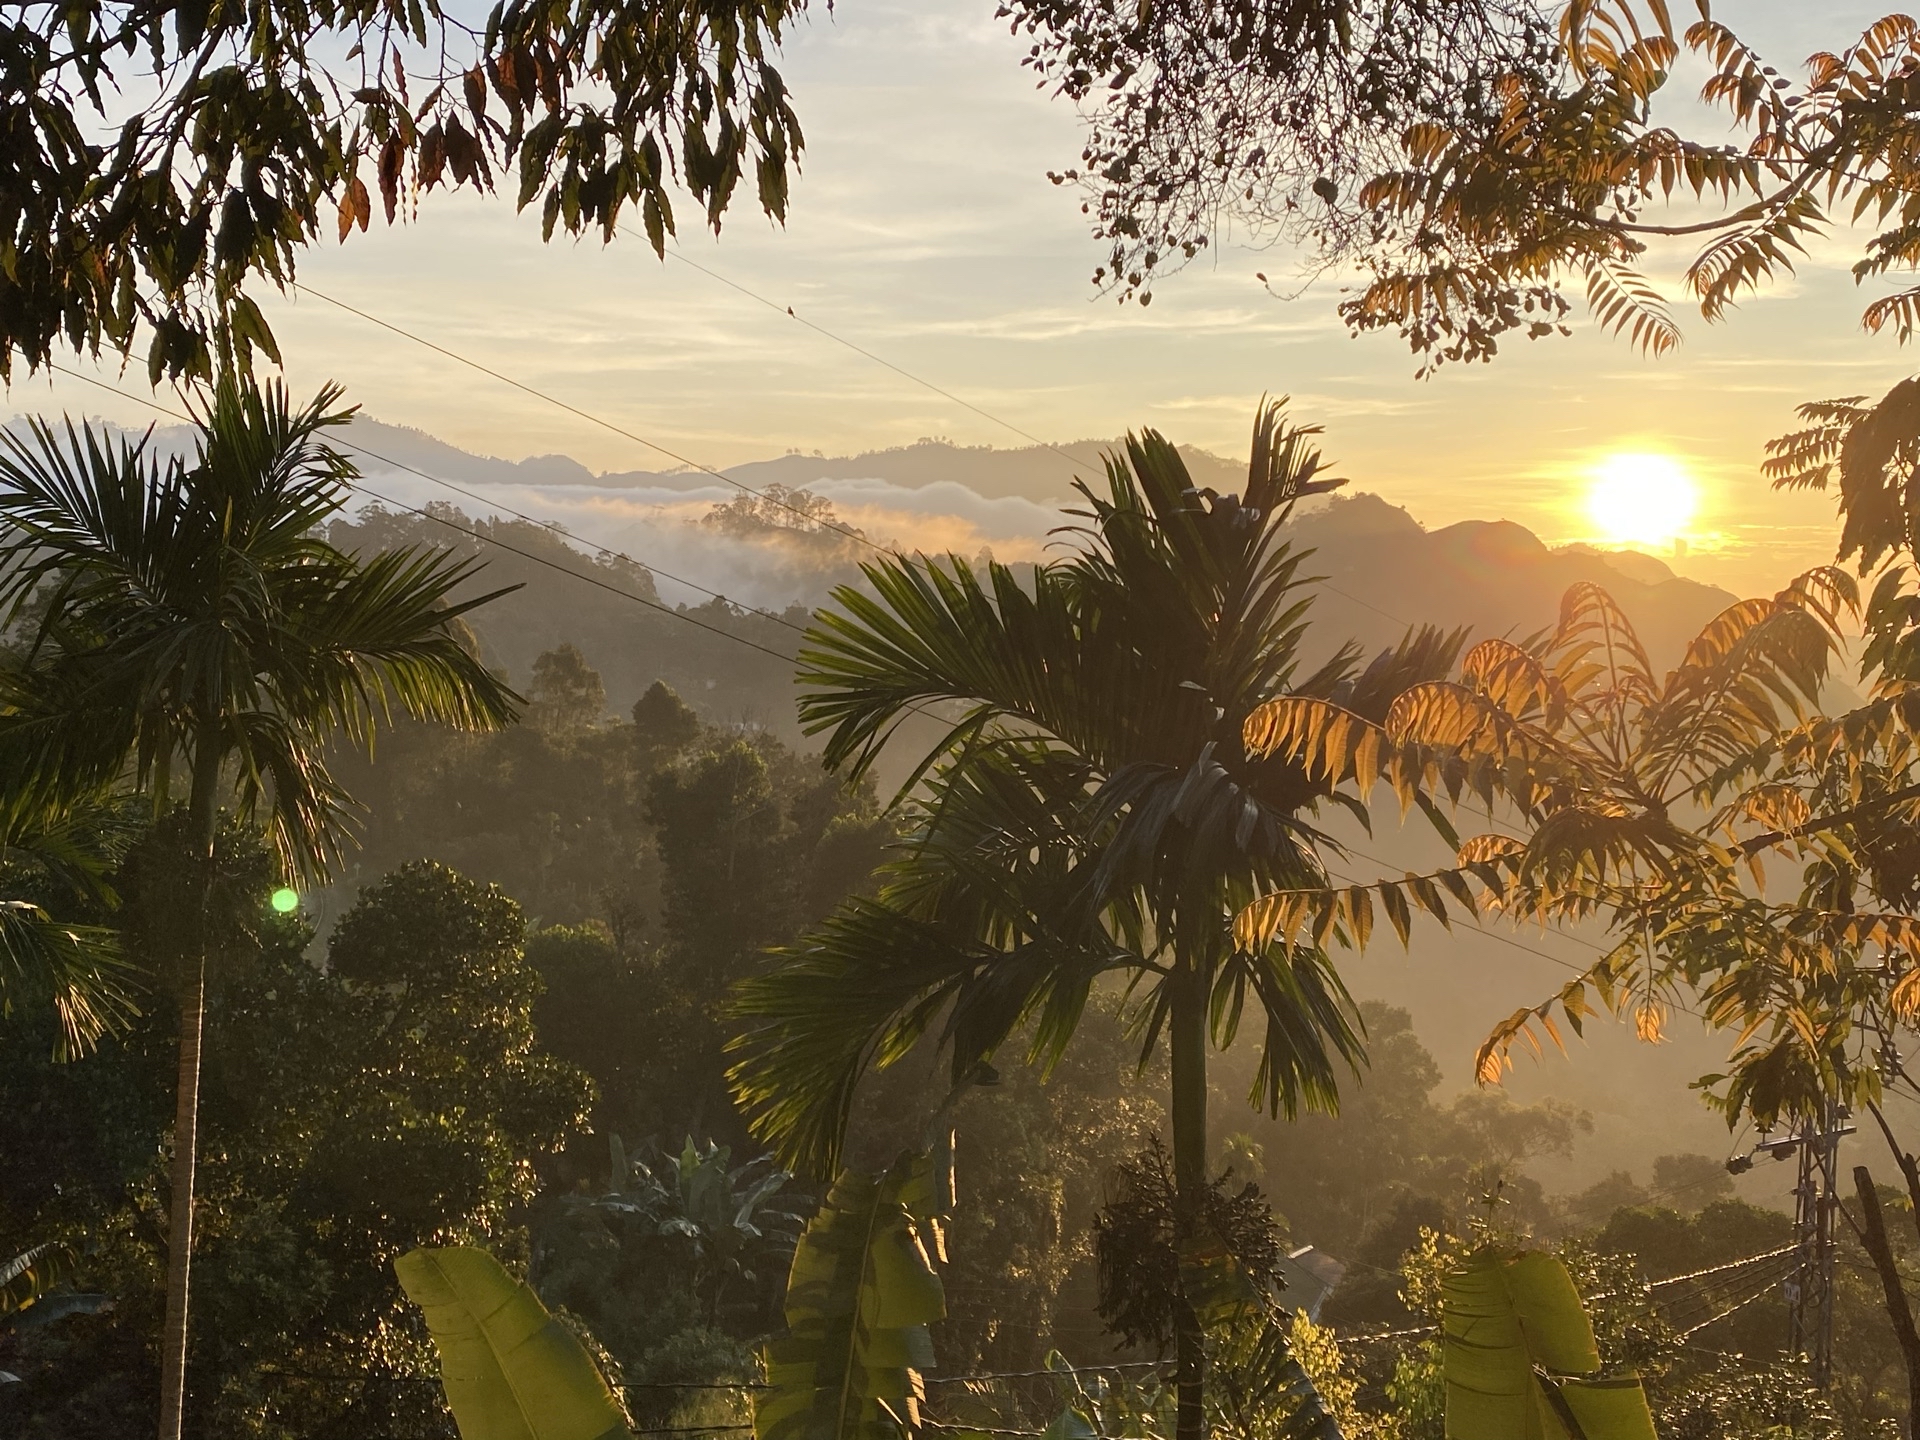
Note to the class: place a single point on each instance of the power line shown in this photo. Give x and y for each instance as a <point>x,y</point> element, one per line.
<point>592,419</point>
<point>846,530</point>
<point>559,530</point>
<point>594,580</point>
<point>361,487</point>
<point>902,371</point>
<point>1741,1264</point>
<point>1042,1374</point>
<point>1685,1336</point>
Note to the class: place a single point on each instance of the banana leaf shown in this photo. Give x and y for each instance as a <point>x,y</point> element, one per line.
<point>1519,1357</point>
<point>28,1275</point>
<point>1259,1390</point>
<point>28,1297</point>
<point>510,1370</point>
<point>859,1299</point>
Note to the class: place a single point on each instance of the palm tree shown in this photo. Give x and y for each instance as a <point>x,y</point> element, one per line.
<point>1091,811</point>
<point>183,616</point>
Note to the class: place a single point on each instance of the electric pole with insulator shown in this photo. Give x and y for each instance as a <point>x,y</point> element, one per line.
<point>1809,1289</point>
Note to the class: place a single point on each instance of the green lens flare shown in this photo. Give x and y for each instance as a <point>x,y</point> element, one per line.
<point>286,901</point>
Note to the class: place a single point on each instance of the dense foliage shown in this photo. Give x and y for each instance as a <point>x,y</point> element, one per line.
<point>1202,114</point>
<point>394,1096</point>
<point>157,158</point>
<point>658,853</point>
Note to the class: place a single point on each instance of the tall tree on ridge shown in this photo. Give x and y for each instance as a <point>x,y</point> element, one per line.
<point>182,616</point>
<point>1091,811</point>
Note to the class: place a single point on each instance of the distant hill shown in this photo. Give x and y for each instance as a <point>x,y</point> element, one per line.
<point>1034,471</point>
<point>1384,570</point>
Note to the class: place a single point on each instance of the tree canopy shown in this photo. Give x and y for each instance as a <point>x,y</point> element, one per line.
<point>1476,226</point>
<point>1207,113</point>
<point>157,158</point>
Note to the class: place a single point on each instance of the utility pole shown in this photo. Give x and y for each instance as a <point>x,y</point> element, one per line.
<point>1809,1290</point>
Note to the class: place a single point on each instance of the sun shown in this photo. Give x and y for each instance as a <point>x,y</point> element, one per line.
<point>1641,499</point>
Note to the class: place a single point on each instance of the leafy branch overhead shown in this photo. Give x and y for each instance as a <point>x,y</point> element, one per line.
<point>1477,160</point>
<point>1471,231</point>
<point>125,217</point>
<point>1205,112</point>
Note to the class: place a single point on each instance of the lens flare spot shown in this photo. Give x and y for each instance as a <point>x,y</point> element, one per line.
<point>286,901</point>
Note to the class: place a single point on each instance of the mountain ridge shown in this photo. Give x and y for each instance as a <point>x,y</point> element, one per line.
<point>1040,471</point>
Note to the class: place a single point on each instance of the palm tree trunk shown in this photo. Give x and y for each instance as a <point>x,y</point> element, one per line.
<point>1187,1039</point>
<point>203,811</point>
<point>186,1123</point>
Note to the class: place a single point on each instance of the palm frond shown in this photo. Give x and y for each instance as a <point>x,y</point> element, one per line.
<point>54,861</point>
<point>1600,980</point>
<point>78,970</point>
<point>856,994</point>
<point>1309,1026</point>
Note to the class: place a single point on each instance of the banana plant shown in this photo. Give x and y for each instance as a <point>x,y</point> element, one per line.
<point>25,1277</point>
<point>731,1219</point>
<point>859,1299</point>
<point>1520,1361</point>
<point>33,1291</point>
<point>1111,1403</point>
<point>510,1370</point>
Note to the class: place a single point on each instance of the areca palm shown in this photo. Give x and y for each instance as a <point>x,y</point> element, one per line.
<point>184,620</point>
<point>1091,811</point>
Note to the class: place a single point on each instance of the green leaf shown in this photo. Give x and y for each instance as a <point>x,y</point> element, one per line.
<point>1520,1360</point>
<point>859,1299</point>
<point>25,1277</point>
<point>1069,1424</point>
<point>1260,1389</point>
<point>511,1371</point>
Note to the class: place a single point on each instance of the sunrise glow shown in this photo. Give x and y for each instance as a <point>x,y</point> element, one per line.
<point>1641,499</point>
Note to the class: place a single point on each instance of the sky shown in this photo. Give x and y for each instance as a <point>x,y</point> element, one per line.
<point>923,229</point>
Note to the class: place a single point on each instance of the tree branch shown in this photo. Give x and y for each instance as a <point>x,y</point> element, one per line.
<point>1829,822</point>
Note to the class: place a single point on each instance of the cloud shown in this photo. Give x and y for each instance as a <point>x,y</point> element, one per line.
<point>660,527</point>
